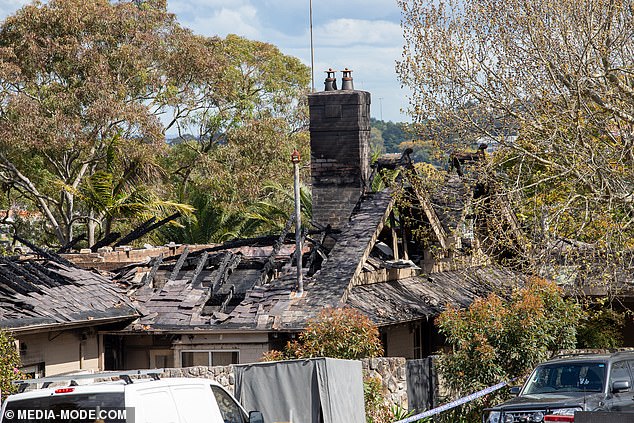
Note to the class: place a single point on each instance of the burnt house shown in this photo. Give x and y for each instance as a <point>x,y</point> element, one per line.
<point>398,264</point>
<point>55,311</point>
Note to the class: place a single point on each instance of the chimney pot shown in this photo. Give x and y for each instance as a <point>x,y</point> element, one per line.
<point>331,81</point>
<point>346,81</point>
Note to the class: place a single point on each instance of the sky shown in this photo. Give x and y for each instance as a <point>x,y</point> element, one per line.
<point>362,35</point>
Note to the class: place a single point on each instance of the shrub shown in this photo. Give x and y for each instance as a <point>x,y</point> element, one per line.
<point>602,327</point>
<point>496,339</point>
<point>336,332</point>
<point>375,409</point>
<point>9,364</point>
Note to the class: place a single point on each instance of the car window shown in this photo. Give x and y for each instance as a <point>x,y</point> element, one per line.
<point>620,371</point>
<point>229,409</point>
<point>566,377</point>
<point>49,408</point>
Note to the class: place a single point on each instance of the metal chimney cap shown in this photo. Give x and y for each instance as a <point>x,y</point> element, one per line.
<point>331,81</point>
<point>346,80</point>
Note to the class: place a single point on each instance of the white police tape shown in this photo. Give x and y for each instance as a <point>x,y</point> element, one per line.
<point>454,404</point>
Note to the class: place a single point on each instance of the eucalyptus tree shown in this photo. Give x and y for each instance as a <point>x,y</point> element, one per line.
<point>89,88</point>
<point>551,83</point>
<point>245,127</point>
<point>76,76</point>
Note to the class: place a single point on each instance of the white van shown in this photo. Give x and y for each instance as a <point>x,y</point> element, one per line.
<point>171,400</point>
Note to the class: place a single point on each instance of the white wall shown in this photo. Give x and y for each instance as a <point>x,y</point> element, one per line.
<point>61,351</point>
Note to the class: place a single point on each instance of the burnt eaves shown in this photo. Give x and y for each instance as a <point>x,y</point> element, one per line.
<point>426,296</point>
<point>46,294</point>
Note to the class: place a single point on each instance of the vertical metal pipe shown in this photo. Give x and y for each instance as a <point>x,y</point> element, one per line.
<point>312,50</point>
<point>298,224</point>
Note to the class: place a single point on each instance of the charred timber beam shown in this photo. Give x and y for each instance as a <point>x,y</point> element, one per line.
<point>149,277</point>
<point>105,241</point>
<point>17,278</point>
<point>225,303</point>
<point>268,266</point>
<point>45,254</point>
<point>179,263</point>
<point>142,231</point>
<point>134,233</point>
<point>229,263</point>
<point>68,246</point>
<point>199,268</point>
<point>41,276</point>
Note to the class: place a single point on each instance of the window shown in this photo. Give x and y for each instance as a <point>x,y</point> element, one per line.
<point>56,404</point>
<point>33,372</point>
<point>418,341</point>
<point>229,409</point>
<point>161,359</point>
<point>567,377</point>
<point>620,372</point>
<point>208,358</point>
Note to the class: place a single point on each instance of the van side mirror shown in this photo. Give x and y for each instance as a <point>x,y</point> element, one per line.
<point>515,390</point>
<point>256,417</point>
<point>620,386</point>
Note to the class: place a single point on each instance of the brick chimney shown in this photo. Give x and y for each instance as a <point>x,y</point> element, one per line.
<point>339,152</point>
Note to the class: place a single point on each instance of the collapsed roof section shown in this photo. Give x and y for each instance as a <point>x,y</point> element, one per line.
<point>36,295</point>
<point>253,287</point>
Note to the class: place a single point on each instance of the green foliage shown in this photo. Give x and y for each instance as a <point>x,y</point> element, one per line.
<point>549,82</point>
<point>388,135</point>
<point>9,364</point>
<point>400,413</point>
<point>270,214</point>
<point>84,85</point>
<point>338,333</point>
<point>375,409</point>
<point>496,340</point>
<point>602,327</point>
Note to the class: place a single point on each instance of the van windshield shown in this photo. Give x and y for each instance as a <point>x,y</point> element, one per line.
<point>106,407</point>
<point>566,377</point>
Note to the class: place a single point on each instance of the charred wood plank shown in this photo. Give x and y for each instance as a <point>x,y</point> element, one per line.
<point>147,228</point>
<point>179,263</point>
<point>202,261</point>
<point>48,255</point>
<point>149,277</point>
<point>70,244</point>
<point>105,241</point>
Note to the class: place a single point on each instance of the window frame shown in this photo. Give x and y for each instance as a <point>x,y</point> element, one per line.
<point>242,412</point>
<point>210,356</point>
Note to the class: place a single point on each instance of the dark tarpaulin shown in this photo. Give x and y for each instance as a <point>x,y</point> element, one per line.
<point>303,391</point>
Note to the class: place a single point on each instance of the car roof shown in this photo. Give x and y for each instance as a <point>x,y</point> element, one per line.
<point>590,357</point>
<point>110,386</point>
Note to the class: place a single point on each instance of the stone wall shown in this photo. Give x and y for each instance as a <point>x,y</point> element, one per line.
<point>390,370</point>
<point>222,374</point>
<point>393,375</point>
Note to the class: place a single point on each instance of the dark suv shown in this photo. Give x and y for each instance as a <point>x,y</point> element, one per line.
<point>558,388</point>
